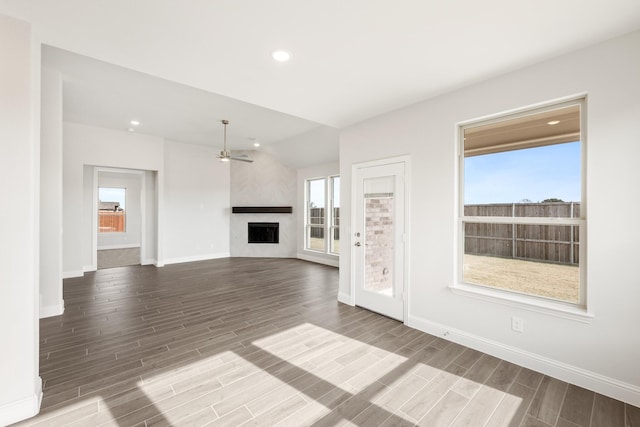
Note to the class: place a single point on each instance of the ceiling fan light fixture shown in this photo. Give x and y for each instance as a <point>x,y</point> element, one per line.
<point>225,155</point>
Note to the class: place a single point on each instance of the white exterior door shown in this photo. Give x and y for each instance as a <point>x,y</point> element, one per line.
<point>378,238</point>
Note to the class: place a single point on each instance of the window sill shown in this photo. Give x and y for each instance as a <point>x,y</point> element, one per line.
<point>525,302</point>
<point>315,251</point>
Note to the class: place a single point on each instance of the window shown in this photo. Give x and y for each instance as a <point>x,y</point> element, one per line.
<point>334,230</point>
<point>315,223</point>
<point>522,214</point>
<point>111,210</point>
<point>322,225</point>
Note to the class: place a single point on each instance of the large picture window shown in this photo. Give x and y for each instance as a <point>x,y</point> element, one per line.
<point>322,216</point>
<point>522,213</point>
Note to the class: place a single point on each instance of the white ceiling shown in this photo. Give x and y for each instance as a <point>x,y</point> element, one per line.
<point>352,59</point>
<point>101,94</point>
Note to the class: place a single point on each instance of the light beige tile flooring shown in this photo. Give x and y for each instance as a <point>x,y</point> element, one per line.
<point>109,258</point>
<point>264,342</point>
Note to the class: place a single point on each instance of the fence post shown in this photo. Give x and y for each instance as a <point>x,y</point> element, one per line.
<point>571,258</point>
<point>513,232</point>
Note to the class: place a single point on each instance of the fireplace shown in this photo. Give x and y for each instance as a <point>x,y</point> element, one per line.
<point>263,232</point>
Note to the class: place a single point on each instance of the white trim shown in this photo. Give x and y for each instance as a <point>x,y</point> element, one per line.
<point>143,214</point>
<point>523,220</point>
<point>334,261</point>
<point>526,110</point>
<point>71,274</point>
<point>407,236</point>
<point>195,258</point>
<point>524,301</point>
<point>22,409</point>
<point>52,310</point>
<point>119,170</point>
<point>602,384</point>
<point>346,299</point>
<point>94,218</point>
<point>89,268</point>
<point>148,261</point>
<point>122,246</point>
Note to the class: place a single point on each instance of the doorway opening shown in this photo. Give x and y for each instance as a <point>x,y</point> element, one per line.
<point>124,217</point>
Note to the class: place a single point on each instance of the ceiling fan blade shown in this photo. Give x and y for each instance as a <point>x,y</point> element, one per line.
<point>242,159</point>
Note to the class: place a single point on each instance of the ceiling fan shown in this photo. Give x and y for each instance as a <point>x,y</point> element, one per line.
<point>225,155</point>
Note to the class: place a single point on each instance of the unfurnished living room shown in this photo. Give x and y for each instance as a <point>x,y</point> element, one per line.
<point>336,213</point>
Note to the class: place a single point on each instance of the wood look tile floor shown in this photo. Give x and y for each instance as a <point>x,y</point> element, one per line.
<point>242,341</point>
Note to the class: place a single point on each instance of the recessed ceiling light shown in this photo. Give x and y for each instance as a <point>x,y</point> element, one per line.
<point>256,144</point>
<point>553,122</point>
<point>281,55</point>
<point>131,130</point>
<point>135,122</point>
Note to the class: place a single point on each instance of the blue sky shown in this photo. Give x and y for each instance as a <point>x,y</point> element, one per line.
<point>317,192</point>
<point>534,173</point>
<point>112,195</point>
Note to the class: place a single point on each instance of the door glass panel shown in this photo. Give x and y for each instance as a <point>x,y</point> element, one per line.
<point>379,235</point>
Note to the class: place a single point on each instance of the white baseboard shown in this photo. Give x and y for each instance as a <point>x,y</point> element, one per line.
<point>88,268</point>
<point>607,386</point>
<point>195,258</point>
<point>149,261</point>
<point>22,409</point>
<point>122,246</point>
<point>333,261</point>
<point>346,299</point>
<point>71,274</point>
<point>52,310</point>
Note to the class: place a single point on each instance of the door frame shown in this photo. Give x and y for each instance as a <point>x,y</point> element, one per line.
<point>143,211</point>
<point>406,160</point>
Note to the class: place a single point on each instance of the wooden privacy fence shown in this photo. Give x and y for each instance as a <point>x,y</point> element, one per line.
<point>549,243</point>
<point>316,220</point>
<point>111,222</point>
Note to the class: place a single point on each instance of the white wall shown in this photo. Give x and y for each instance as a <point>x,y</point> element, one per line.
<point>85,147</point>
<point>149,249</point>
<point>51,298</point>
<point>184,184</point>
<point>196,204</point>
<point>602,354</point>
<point>132,183</point>
<point>318,146</point>
<point>320,171</point>
<point>19,172</point>
<point>265,182</point>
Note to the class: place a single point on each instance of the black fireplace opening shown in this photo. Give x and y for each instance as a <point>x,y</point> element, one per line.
<point>264,232</point>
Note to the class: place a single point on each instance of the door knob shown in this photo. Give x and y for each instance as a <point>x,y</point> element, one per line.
<point>357,243</point>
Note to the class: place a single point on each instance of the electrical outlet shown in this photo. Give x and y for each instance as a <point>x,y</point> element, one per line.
<point>517,324</point>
